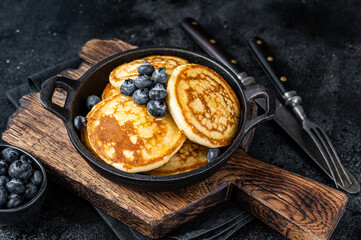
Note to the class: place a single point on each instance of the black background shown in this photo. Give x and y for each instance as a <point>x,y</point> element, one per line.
<point>316,42</point>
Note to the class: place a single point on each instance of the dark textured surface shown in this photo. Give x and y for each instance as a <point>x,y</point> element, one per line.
<point>317,44</point>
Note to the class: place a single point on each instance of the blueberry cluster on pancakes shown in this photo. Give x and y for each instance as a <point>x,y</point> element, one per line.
<point>130,70</point>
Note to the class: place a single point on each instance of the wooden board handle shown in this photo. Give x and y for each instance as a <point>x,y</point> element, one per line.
<point>295,206</point>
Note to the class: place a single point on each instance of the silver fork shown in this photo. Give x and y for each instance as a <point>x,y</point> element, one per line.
<point>339,174</point>
<point>342,177</point>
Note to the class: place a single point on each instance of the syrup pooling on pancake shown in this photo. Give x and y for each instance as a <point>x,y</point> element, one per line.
<point>190,156</point>
<point>203,105</point>
<point>129,70</point>
<point>125,136</point>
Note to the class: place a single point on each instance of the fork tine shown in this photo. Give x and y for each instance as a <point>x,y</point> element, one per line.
<point>321,136</point>
<point>313,135</point>
<point>334,153</point>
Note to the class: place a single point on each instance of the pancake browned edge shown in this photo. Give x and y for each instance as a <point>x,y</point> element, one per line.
<point>190,156</point>
<point>109,91</point>
<point>85,141</point>
<point>203,105</point>
<point>124,135</point>
<point>130,69</point>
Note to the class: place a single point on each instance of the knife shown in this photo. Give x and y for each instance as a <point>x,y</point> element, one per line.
<point>284,118</point>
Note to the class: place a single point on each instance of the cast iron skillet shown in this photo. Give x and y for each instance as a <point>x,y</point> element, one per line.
<point>94,81</point>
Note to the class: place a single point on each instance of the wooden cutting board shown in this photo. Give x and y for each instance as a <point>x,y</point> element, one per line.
<point>295,206</point>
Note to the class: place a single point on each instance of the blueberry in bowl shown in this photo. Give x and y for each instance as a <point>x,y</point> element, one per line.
<point>23,185</point>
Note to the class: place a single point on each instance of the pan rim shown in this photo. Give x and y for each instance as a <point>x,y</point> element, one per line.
<point>138,177</point>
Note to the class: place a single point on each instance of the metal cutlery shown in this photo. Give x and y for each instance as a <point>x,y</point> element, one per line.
<point>339,174</point>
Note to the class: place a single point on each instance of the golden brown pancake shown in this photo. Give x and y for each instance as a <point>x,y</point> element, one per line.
<point>130,70</point>
<point>85,141</point>
<point>124,135</point>
<point>190,156</point>
<point>110,91</point>
<point>203,105</point>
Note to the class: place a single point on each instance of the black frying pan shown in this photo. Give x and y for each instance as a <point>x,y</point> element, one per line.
<point>94,81</point>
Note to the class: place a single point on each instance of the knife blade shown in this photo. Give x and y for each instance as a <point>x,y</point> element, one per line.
<point>284,118</point>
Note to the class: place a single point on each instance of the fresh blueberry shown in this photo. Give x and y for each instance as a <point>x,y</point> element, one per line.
<point>128,87</point>
<point>158,92</point>
<point>15,186</point>
<point>91,101</point>
<point>27,159</point>
<point>143,81</point>
<point>212,154</point>
<point>10,155</point>
<point>79,122</point>
<point>3,180</point>
<point>24,157</point>
<point>3,167</point>
<point>141,96</point>
<point>14,200</point>
<point>157,108</point>
<point>156,84</point>
<point>3,196</point>
<point>30,191</point>
<point>21,170</point>
<point>160,75</point>
<point>37,178</point>
<point>146,68</point>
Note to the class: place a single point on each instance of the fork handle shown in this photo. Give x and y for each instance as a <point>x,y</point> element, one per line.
<point>267,61</point>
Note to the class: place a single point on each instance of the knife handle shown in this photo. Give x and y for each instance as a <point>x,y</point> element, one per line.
<point>267,61</point>
<point>209,45</point>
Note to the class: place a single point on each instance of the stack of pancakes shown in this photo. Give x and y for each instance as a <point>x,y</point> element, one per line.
<point>203,113</point>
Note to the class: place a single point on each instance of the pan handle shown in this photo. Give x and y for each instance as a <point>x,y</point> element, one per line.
<point>255,92</point>
<point>47,91</point>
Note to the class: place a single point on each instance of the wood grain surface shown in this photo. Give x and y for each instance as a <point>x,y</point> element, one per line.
<point>295,206</point>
